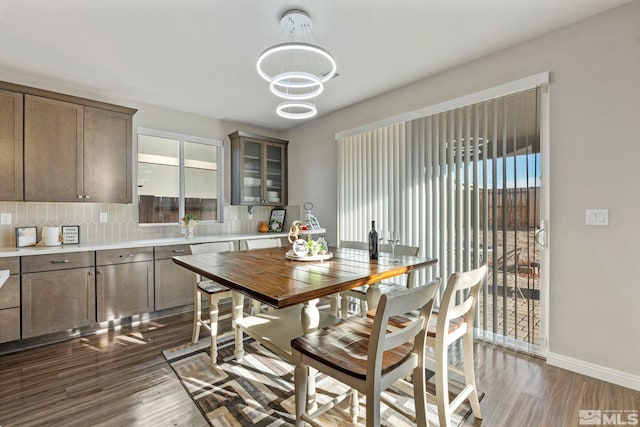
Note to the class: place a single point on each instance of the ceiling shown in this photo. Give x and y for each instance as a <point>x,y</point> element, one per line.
<point>199,56</point>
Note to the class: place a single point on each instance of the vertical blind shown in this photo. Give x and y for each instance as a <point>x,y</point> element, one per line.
<point>463,185</point>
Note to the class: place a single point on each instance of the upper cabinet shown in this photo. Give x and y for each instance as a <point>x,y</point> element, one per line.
<point>53,142</point>
<point>107,156</point>
<point>259,170</point>
<point>75,149</point>
<point>11,104</point>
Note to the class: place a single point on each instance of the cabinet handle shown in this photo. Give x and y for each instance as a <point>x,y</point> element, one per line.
<point>86,196</point>
<point>80,196</point>
<point>177,251</point>
<point>90,273</point>
<point>64,261</point>
<point>126,256</point>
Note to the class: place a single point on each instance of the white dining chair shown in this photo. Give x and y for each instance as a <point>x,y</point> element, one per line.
<point>214,292</point>
<point>373,359</point>
<point>262,244</point>
<point>359,294</point>
<point>451,322</point>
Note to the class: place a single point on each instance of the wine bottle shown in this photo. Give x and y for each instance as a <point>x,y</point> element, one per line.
<point>373,241</point>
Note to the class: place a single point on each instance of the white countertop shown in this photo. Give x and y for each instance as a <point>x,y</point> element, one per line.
<point>47,250</point>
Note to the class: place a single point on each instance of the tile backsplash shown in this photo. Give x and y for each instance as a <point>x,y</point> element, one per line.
<point>122,221</point>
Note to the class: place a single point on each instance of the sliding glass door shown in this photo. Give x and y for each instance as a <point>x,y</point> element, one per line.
<point>464,185</point>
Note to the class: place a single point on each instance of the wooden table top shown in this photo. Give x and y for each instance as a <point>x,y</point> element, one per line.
<point>266,275</point>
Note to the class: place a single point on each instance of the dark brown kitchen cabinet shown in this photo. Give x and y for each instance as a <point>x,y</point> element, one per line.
<point>58,293</point>
<point>11,134</point>
<point>258,170</point>
<point>87,149</point>
<point>124,282</point>
<point>107,156</point>
<point>10,301</point>
<point>53,150</point>
<point>174,284</point>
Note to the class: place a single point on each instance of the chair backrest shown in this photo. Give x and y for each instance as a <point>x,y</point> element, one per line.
<point>263,243</point>
<point>449,309</point>
<point>352,244</point>
<point>207,248</point>
<point>394,304</point>
<point>401,249</point>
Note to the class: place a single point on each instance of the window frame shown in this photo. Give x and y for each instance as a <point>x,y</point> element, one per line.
<point>182,139</point>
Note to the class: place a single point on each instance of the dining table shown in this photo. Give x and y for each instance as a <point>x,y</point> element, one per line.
<point>293,289</point>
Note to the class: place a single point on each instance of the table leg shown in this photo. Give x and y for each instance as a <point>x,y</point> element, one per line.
<point>310,317</point>
<point>237,310</point>
<point>373,296</point>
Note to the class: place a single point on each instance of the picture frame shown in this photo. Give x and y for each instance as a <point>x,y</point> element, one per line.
<point>26,236</point>
<point>70,234</point>
<point>276,220</point>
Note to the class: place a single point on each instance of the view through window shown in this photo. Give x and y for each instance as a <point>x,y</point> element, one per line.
<point>178,175</point>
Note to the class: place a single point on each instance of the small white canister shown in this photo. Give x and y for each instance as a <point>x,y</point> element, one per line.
<point>51,236</point>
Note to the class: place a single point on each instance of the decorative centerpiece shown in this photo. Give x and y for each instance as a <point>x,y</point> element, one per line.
<point>189,223</point>
<point>307,250</point>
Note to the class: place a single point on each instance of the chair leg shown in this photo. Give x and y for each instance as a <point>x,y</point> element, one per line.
<point>238,305</point>
<point>197,317</point>
<point>363,308</point>
<point>442,383</point>
<point>344,306</point>
<point>334,303</point>
<point>213,319</point>
<point>420,395</point>
<point>469,373</point>
<point>373,406</point>
<point>300,376</point>
<point>354,405</point>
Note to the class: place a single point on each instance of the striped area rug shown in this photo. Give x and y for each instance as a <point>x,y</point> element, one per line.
<point>258,391</point>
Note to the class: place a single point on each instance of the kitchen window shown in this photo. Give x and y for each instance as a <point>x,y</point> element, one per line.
<point>177,175</point>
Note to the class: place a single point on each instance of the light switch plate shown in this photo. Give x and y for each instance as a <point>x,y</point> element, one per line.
<point>597,217</point>
<point>5,218</point>
<point>104,217</point>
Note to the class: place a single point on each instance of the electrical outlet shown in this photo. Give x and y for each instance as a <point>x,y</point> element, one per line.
<point>597,217</point>
<point>104,217</point>
<point>5,219</point>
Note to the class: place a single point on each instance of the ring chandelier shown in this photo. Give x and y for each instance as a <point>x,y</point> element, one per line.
<point>296,70</point>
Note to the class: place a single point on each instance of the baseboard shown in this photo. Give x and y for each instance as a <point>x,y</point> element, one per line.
<point>613,376</point>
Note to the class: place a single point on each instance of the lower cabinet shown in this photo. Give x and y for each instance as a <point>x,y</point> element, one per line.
<point>58,293</point>
<point>124,282</point>
<point>174,284</point>
<point>10,301</point>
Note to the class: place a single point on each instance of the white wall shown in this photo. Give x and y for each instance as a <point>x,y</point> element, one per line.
<point>595,149</point>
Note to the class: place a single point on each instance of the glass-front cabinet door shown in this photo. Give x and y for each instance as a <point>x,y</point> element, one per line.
<point>251,172</point>
<point>259,170</point>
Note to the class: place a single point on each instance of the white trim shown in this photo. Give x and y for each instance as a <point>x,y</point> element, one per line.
<point>483,95</point>
<point>603,373</point>
<point>545,214</point>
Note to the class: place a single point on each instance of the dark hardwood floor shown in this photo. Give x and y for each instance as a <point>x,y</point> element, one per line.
<point>121,379</point>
